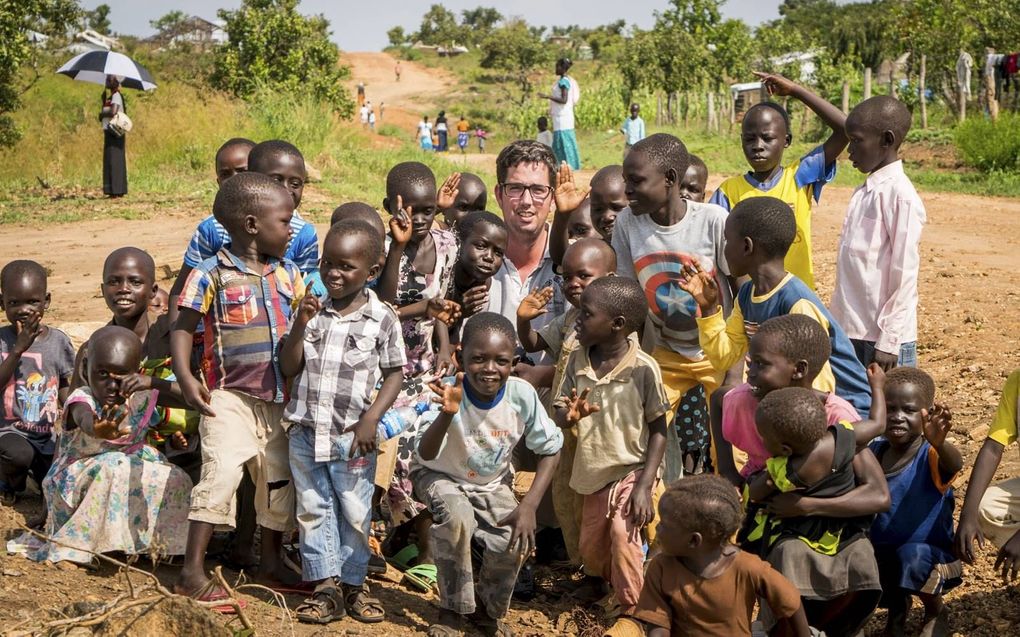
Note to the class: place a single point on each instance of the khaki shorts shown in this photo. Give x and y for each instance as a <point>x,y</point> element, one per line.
<point>999,516</point>
<point>245,432</point>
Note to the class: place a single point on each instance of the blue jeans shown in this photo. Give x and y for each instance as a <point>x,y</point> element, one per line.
<point>334,511</point>
<point>865,351</point>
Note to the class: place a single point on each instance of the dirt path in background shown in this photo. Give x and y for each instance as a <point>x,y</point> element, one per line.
<point>969,340</point>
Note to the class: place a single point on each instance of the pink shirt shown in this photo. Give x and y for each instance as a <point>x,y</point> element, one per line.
<point>877,260</point>
<point>738,424</point>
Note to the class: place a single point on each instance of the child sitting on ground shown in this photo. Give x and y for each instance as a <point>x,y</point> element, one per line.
<point>108,490</point>
<point>244,296</point>
<point>695,181</point>
<point>655,239</point>
<point>612,391</point>
<point>36,365</point>
<point>828,558</point>
<point>460,194</point>
<point>483,238</point>
<point>608,199</point>
<point>878,256</point>
<point>585,261</point>
<point>786,351</point>
<point>765,134</point>
<point>701,584</point>
<point>338,352</point>
<point>759,232</point>
<point>914,539</point>
<point>993,512</point>
<point>462,471</point>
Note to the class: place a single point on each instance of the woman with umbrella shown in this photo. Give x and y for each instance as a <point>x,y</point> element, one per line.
<point>114,71</point>
<point>114,160</point>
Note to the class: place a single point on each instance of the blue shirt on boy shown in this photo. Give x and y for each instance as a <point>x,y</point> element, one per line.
<point>210,237</point>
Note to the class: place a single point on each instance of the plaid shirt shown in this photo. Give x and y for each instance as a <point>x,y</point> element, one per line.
<point>244,314</point>
<point>344,359</point>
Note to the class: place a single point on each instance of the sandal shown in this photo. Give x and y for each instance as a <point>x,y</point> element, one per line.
<point>424,577</point>
<point>403,558</point>
<point>361,606</point>
<point>215,595</point>
<point>322,607</point>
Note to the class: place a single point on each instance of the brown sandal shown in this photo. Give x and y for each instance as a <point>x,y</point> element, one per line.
<point>361,606</point>
<point>322,607</point>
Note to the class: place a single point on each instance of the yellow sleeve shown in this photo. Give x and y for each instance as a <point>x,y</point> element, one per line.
<point>825,380</point>
<point>1004,426</point>
<point>724,341</point>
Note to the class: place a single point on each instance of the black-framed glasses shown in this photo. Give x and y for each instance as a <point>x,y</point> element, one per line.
<point>516,191</point>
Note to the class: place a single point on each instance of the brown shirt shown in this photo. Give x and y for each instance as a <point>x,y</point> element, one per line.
<point>675,598</point>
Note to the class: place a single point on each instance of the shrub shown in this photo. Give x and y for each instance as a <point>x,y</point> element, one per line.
<point>990,146</point>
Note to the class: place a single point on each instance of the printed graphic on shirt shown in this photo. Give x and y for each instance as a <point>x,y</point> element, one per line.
<point>487,450</point>
<point>31,402</point>
<point>660,274</point>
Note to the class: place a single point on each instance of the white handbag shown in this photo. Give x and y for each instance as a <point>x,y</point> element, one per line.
<point>120,124</point>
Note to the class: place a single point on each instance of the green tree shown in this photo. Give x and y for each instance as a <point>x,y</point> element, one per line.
<point>170,25</point>
<point>99,19</point>
<point>396,36</point>
<point>515,52</point>
<point>439,26</point>
<point>272,45</point>
<point>478,23</point>
<point>50,17</point>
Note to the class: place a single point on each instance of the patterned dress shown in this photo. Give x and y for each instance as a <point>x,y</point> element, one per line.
<point>114,495</point>
<point>420,370</point>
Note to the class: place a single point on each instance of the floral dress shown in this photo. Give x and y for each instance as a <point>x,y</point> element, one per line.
<point>114,495</point>
<point>420,370</point>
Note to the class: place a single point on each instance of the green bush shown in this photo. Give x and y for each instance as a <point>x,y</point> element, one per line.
<point>990,146</point>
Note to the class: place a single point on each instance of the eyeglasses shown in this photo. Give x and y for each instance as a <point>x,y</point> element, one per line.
<point>516,191</point>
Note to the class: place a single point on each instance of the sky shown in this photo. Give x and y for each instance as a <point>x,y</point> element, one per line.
<point>361,25</point>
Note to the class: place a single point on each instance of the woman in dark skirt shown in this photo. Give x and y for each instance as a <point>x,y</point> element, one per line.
<point>114,160</point>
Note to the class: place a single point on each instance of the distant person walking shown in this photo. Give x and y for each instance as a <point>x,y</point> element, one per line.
<point>361,94</point>
<point>565,94</point>
<point>442,133</point>
<point>396,70</point>
<point>425,133</point>
<point>114,159</point>
<point>463,134</point>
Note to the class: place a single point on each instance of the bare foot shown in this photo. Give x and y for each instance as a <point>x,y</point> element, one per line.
<point>936,625</point>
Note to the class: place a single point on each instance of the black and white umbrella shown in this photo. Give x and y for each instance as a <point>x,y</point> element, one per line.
<point>94,66</point>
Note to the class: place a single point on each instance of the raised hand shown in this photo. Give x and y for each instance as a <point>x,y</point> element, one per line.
<point>108,424</point>
<point>443,310</point>
<point>701,285</point>
<point>876,377</point>
<point>400,223</point>
<point>28,330</point>
<point>578,407</point>
<point>568,195</point>
<point>448,192</point>
<point>448,397</point>
<point>936,425</point>
<point>533,305</point>
<point>307,309</point>
<point>776,84</point>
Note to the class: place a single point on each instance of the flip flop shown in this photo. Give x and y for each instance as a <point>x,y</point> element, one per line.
<point>404,557</point>
<point>216,595</point>
<point>423,577</point>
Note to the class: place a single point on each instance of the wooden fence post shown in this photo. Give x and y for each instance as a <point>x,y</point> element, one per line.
<point>962,103</point>
<point>922,93</point>
<point>710,116</point>
<point>867,82</point>
<point>846,97</point>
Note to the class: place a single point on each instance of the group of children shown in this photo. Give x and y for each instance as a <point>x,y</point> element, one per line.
<point>434,137</point>
<point>380,378</point>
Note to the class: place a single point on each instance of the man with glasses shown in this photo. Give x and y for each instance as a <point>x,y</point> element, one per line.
<point>526,175</point>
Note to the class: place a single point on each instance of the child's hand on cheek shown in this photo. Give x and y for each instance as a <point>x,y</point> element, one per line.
<point>448,192</point>
<point>702,286</point>
<point>400,223</point>
<point>28,331</point>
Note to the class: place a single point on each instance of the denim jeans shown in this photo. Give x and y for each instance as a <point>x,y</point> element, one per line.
<point>334,511</point>
<point>865,351</point>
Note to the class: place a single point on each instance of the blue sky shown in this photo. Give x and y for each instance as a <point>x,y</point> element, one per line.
<point>361,25</point>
